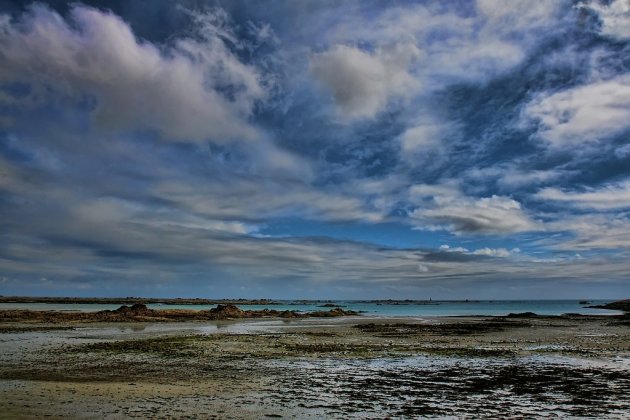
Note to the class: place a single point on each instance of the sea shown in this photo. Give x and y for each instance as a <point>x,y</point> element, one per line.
<point>413,309</point>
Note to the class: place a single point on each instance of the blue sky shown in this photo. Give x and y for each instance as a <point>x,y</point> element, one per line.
<point>315,149</point>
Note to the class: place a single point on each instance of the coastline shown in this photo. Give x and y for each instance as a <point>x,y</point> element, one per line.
<point>316,367</point>
<point>134,300</point>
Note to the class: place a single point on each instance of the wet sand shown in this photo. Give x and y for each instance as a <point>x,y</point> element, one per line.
<point>312,368</point>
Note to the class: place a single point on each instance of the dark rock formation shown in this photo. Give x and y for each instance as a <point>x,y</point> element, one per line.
<point>522,315</point>
<point>620,305</point>
<point>137,309</point>
<point>227,312</point>
<point>140,313</point>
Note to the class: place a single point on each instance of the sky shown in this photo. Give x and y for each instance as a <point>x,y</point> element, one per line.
<point>315,149</point>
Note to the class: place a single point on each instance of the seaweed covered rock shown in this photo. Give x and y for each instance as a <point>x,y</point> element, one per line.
<point>226,312</point>
<point>137,309</point>
<point>332,313</point>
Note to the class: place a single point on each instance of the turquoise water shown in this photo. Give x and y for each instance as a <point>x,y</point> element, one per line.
<point>399,309</point>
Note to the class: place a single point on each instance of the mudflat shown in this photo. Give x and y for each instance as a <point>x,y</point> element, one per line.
<point>521,365</point>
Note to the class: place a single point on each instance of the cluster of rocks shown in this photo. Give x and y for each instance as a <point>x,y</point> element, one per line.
<point>620,305</point>
<point>140,313</point>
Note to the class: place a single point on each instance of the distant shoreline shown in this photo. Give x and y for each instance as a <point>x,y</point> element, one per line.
<point>206,301</point>
<point>132,300</point>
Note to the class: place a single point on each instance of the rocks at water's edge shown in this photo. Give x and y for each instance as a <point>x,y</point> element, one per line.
<point>140,313</point>
<point>620,305</point>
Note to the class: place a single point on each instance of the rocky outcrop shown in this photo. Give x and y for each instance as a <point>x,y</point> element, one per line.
<point>140,313</point>
<point>522,315</point>
<point>226,312</point>
<point>137,309</point>
<point>620,305</point>
<point>332,313</point>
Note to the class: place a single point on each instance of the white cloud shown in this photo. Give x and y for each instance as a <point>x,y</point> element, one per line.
<point>447,248</point>
<point>594,232</point>
<point>422,137</point>
<point>446,206</point>
<point>175,90</point>
<point>411,51</point>
<point>495,214</point>
<point>608,197</point>
<point>362,83</point>
<point>508,16</point>
<point>615,17</point>
<point>585,113</point>
<point>511,176</point>
<point>493,252</point>
<point>456,46</point>
<point>516,178</point>
<point>487,252</point>
<point>253,200</point>
<point>422,268</point>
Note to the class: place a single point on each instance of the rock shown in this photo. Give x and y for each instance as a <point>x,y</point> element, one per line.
<point>140,313</point>
<point>620,305</point>
<point>137,309</point>
<point>290,314</point>
<point>332,313</point>
<point>227,311</point>
<point>522,315</point>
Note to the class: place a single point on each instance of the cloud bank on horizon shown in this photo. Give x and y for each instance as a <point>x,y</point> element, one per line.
<point>354,149</point>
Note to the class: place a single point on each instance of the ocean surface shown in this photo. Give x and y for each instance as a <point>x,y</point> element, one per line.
<point>375,309</point>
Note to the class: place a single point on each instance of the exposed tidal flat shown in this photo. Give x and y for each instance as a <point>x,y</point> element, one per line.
<point>342,367</point>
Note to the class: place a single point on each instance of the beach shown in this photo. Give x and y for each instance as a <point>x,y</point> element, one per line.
<point>346,367</point>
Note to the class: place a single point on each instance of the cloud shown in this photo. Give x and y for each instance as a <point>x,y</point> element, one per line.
<point>486,252</point>
<point>487,215</point>
<point>361,82</point>
<point>591,112</point>
<point>517,178</point>
<point>510,176</point>
<point>493,252</point>
<point>447,207</point>
<point>252,200</point>
<point>459,43</point>
<point>592,232</point>
<point>193,89</point>
<point>447,248</point>
<point>607,197</point>
<point>423,137</point>
<point>614,16</point>
<point>295,266</point>
<point>510,16</point>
